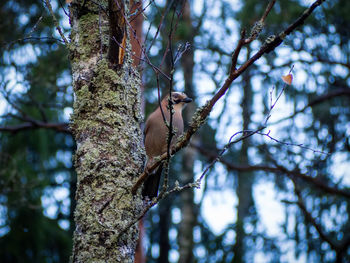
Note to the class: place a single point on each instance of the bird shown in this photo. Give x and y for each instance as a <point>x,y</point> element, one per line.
<point>156,136</point>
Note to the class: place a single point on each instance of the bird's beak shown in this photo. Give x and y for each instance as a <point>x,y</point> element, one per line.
<point>187,100</point>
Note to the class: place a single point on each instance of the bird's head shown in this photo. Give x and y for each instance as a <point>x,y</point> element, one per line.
<point>179,99</point>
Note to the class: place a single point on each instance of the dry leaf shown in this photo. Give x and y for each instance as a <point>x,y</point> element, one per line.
<point>288,79</point>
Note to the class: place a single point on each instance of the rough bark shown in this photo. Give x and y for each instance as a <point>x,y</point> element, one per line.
<point>106,125</point>
<point>188,207</point>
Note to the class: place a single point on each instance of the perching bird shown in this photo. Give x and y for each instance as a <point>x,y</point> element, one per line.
<point>156,136</point>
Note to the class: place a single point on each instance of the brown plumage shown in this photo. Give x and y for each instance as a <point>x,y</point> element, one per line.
<point>156,136</point>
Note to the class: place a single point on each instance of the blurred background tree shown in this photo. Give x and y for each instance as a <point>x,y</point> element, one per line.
<point>37,179</point>
<point>266,201</point>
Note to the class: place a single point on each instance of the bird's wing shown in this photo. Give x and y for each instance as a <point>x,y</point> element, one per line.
<point>146,130</point>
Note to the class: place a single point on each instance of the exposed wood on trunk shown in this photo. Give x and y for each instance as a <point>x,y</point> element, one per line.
<point>117,32</point>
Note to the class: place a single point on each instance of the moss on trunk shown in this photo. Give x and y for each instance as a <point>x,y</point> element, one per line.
<point>106,125</point>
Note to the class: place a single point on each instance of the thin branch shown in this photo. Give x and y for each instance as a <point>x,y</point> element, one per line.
<point>272,105</point>
<point>300,145</point>
<point>60,127</point>
<point>310,218</point>
<point>319,100</point>
<point>245,134</point>
<point>170,102</point>
<point>64,10</point>
<point>277,169</point>
<point>30,37</point>
<point>236,52</point>
<point>257,28</point>
<point>200,19</point>
<point>196,184</point>
<point>313,180</point>
<point>325,60</point>
<point>147,60</point>
<point>40,39</point>
<point>49,7</point>
<point>166,10</point>
<point>267,11</point>
<point>7,96</point>
<point>202,113</point>
<point>140,11</point>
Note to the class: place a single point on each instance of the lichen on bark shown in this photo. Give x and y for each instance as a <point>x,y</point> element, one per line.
<point>109,157</point>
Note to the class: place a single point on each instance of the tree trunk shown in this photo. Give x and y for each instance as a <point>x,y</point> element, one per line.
<point>188,207</point>
<point>164,209</point>
<point>136,40</point>
<point>245,180</point>
<point>106,126</point>
<point>136,31</point>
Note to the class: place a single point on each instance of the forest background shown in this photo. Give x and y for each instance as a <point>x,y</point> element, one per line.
<point>281,195</point>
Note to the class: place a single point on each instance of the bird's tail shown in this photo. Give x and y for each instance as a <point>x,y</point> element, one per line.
<point>151,185</point>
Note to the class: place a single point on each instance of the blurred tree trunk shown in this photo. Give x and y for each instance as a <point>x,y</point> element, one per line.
<point>245,180</point>
<point>187,206</point>
<point>165,206</point>
<point>140,253</point>
<point>164,226</point>
<point>106,125</point>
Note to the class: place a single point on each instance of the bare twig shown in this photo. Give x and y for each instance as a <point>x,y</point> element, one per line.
<point>59,29</point>
<point>211,155</point>
<point>166,10</point>
<point>29,36</point>
<point>139,12</point>
<point>40,39</point>
<point>267,11</point>
<point>146,60</point>
<point>245,135</point>
<point>64,10</point>
<point>323,98</point>
<point>203,112</point>
<point>181,50</point>
<point>60,127</point>
<point>310,218</point>
<point>300,145</point>
<point>313,180</point>
<point>177,188</point>
<point>272,105</point>
<point>170,101</point>
<point>236,52</point>
<point>257,28</point>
